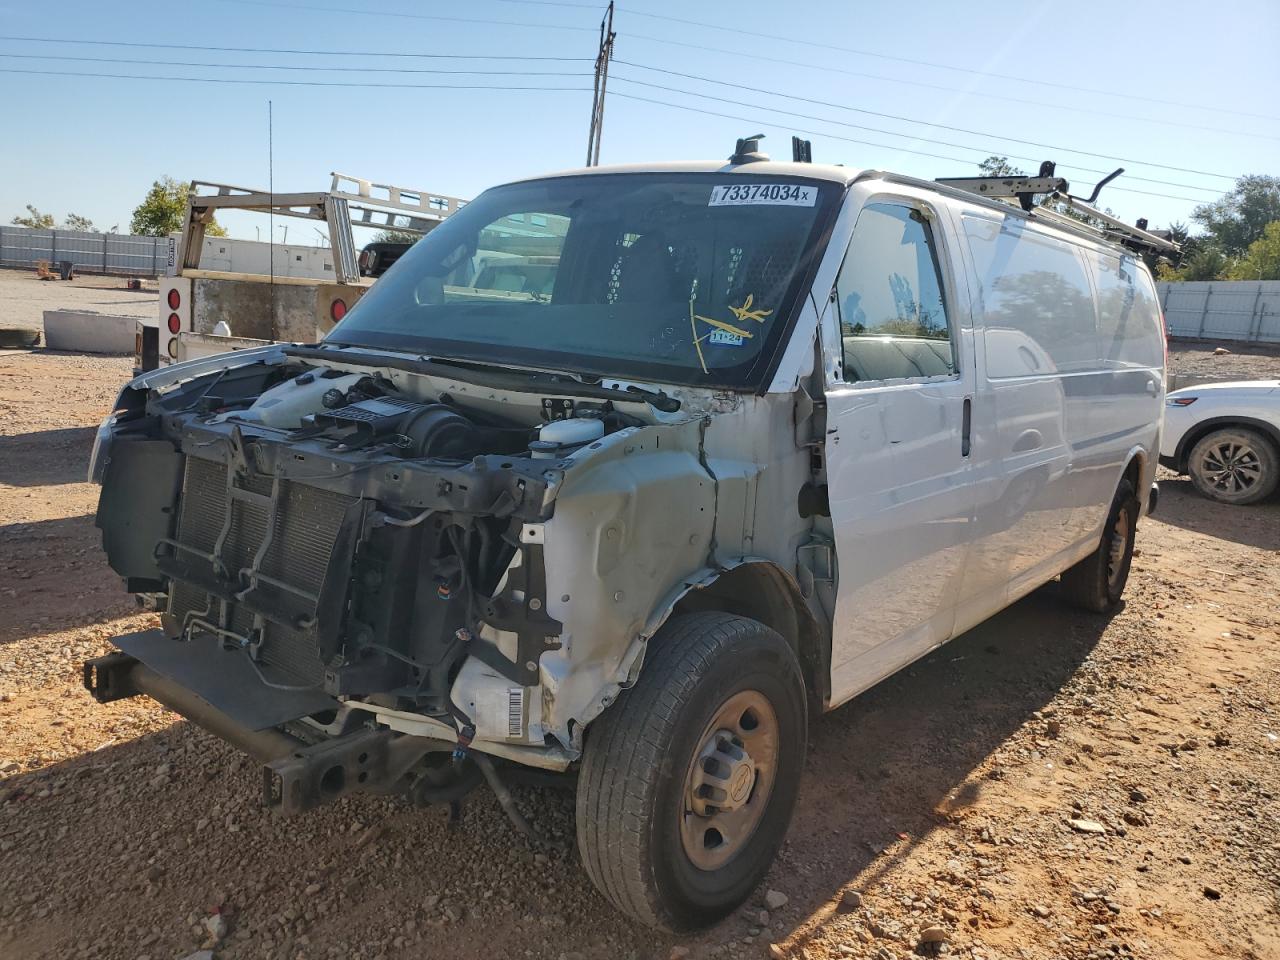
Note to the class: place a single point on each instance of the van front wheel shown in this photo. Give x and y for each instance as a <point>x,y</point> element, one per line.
<point>1097,582</point>
<point>688,782</point>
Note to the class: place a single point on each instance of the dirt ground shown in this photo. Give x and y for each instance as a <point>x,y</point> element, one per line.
<point>1049,785</point>
<point>24,297</point>
<point>1197,359</point>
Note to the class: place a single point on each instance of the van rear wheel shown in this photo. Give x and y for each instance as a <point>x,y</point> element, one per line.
<point>688,782</point>
<point>1097,582</point>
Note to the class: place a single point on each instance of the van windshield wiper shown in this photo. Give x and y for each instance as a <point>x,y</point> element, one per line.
<point>490,375</point>
<point>660,399</point>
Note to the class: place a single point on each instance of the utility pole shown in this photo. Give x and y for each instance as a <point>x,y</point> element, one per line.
<point>603,56</point>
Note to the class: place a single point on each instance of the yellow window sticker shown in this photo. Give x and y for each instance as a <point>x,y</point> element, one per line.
<point>725,332</point>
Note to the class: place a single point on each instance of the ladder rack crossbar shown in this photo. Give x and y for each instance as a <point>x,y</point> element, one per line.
<point>309,206</point>
<point>1006,186</point>
<point>424,203</point>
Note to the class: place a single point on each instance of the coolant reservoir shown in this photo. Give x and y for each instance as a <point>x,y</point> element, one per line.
<point>285,404</point>
<point>572,432</point>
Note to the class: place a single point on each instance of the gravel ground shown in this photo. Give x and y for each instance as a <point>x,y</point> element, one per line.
<point>24,297</point>
<point>1049,785</point>
<point>1199,360</point>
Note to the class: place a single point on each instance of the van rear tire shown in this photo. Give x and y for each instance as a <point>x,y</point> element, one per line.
<point>688,782</point>
<point>1097,582</point>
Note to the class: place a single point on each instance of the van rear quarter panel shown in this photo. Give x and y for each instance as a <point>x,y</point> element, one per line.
<point>1070,388</point>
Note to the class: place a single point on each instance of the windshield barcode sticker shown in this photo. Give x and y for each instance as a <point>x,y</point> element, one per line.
<point>515,711</point>
<point>771,194</point>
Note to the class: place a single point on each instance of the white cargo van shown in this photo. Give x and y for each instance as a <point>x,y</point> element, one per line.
<point>711,447</point>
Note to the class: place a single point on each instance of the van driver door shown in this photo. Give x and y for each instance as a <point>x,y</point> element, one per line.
<point>898,414</point>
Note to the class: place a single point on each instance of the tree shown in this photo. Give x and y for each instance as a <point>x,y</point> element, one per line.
<point>1262,260</point>
<point>995,166</point>
<point>1203,261</point>
<point>44,221</point>
<point>76,222</point>
<point>163,209</point>
<point>1180,234</point>
<point>34,218</point>
<point>396,236</point>
<point>1240,217</point>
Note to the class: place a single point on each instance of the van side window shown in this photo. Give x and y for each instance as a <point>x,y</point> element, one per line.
<point>1128,313</point>
<point>1037,304</point>
<point>893,317</point>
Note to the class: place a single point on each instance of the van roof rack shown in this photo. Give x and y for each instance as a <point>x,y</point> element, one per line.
<point>1025,189</point>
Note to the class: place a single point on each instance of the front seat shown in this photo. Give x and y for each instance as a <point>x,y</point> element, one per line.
<point>647,272</point>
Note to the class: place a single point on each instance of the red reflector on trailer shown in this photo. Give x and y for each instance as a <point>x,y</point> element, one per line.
<point>175,299</point>
<point>175,323</point>
<point>338,310</point>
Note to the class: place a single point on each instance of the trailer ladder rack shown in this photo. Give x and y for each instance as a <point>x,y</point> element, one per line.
<point>1024,189</point>
<point>350,201</point>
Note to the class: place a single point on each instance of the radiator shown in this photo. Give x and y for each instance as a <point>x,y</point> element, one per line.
<point>307,522</point>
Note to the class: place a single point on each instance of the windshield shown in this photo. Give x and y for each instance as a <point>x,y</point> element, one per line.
<point>683,278</point>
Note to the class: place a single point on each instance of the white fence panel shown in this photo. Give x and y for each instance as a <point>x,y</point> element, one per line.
<point>1222,309</point>
<point>114,253</point>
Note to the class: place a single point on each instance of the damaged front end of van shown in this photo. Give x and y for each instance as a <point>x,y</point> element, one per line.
<point>352,581</point>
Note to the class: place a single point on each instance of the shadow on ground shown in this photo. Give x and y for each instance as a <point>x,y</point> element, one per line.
<point>886,766</point>
<point>46,457</point>
<point>53,576</point>
<point>884,770</point>
<point>1254,526</point>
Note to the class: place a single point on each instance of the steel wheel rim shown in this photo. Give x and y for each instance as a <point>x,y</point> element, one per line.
<point>1231,467</point>
<point>1116,549</point>
<point>729,780</point>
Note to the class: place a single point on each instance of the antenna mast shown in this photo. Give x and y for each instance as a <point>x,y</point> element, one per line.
<point>271,215</point>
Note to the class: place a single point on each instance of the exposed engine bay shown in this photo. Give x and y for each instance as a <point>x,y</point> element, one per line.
<point>346,537</point>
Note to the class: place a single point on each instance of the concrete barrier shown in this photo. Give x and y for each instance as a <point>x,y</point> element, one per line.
<point>82,331</point>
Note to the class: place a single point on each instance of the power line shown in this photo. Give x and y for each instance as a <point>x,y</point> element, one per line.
<point>309,67</point>
<point>294,50</point>
<point>1091,111</point>
<point>276,3</point>
<point>300,83</point>
<point>640,66</point>
<point>885,146</point>
<point>893,133</point>
<point>501,57</point>
<point>554,3</point>
<point>411,16</point>
<point>922,63</point>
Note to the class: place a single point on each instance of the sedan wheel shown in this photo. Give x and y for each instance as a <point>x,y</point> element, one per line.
<point>1234,466</point>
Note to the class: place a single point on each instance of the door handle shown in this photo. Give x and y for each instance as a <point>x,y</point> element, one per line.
<point>966,426</point>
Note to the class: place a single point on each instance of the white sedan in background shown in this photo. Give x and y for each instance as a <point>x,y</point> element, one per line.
<point>1226,437</point>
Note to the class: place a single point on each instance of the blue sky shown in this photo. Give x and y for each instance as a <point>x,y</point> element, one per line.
<point>93,145</point>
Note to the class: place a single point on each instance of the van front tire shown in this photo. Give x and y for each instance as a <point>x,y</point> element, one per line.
<point>1097,582</point>
<point>688,782</point>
